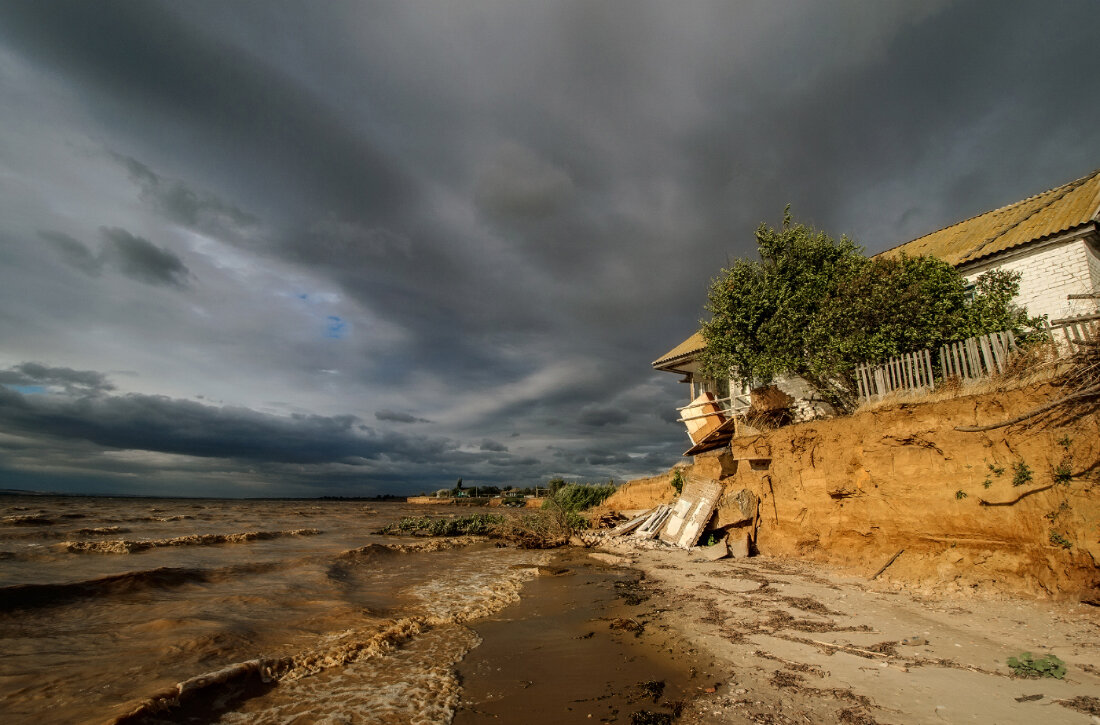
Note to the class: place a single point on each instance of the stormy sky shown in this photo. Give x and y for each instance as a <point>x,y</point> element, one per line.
<point>299,248</point>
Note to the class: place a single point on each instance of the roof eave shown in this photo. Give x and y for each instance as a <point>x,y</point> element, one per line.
<point>1064,235</point>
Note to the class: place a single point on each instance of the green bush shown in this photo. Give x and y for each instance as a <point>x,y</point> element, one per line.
<point>677,481</point>
<point>576,497</point>
<point>817,308</point>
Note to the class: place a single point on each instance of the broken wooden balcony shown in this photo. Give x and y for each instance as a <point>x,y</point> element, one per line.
<point>712,422</point>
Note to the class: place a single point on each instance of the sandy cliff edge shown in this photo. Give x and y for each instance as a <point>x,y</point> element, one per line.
<point>1008,510</point>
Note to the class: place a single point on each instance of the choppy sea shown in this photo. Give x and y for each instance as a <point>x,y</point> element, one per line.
<point>183,610</point>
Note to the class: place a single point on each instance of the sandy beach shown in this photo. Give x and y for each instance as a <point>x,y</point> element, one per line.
<point>780,641</point>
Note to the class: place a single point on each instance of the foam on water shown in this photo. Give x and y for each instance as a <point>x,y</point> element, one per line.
<point>333,621</point>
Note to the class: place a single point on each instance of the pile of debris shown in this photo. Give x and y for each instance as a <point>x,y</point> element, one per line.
<point>704,506</point>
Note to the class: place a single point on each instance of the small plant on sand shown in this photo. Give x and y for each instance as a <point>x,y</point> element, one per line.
<point>1060,540</point>
<point>1063,472</point>
<point>1065,441</point>
<point>960,495</point>
<point>1054,515</point>
<point>1021,474</point>
<point>1026,665</point>
<point>996,471</point>
<point>987,482</point>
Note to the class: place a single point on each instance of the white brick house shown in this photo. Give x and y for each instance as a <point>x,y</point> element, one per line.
<point>1052,239</point>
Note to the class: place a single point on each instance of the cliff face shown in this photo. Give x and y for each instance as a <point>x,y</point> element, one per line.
<point>1013,509</point>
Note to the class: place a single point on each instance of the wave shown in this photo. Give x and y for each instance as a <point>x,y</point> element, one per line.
<point>27,520</point>
<point>130,546</point>
<point>427,545</point>
<point>155,519</point>
<point>249,674</point>
<point>243,679</point>
<point>33,596</point>
<point>101,531</point>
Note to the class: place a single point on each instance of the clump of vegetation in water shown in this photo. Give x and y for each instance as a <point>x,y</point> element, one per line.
<point>473,525</point>
<point>1026,665</point>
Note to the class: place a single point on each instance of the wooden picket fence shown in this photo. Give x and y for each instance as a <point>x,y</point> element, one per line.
<point>969,359</point>
<point>905,372</point>
<point>977,357</point>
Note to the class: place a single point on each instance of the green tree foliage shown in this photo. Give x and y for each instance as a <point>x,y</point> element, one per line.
<point>817,308</point>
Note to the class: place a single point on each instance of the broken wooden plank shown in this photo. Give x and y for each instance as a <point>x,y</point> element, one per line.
<point>692,512</point>
<point>628,526</point>
<point>652,525</point>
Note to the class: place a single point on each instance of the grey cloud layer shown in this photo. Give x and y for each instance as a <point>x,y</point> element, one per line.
<point>131,255</point>
<point>489,216</point>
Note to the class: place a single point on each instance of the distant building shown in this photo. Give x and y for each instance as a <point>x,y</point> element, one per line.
<point>1052,239</point>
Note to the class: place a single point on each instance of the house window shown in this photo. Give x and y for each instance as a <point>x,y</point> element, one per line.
<point>970,290</point>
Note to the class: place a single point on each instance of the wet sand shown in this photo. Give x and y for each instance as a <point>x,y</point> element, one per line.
<point>575,649</point>
<point>787,642</point>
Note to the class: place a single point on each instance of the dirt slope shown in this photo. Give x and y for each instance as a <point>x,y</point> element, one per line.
<point>1014,509</point>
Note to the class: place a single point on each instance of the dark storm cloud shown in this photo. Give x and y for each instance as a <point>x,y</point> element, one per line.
<point>398,417</point>
<point>74,253</point>
<point>166,425</point>
<point>516,183</point>
<point>37,374</point>
<point>146,66</point>
<point>599,417</point>
<point>142,260</point>
<point>180,203</point>
<point>133,256</point>
<point>510,209</point>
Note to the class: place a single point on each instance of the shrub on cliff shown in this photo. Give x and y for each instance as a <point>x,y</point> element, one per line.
<point>817,308</point>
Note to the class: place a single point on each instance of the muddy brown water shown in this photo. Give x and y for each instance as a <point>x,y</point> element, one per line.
<point>570,651</point>
<point>137,610</point>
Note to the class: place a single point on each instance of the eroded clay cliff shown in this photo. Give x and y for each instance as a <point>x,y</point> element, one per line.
<point>1011,509</point>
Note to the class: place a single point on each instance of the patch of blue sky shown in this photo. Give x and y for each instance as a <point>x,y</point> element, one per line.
<point>27,389</point>
<point>335,328</point>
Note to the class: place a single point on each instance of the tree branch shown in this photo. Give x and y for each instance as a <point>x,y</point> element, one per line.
<point>1084,394</point>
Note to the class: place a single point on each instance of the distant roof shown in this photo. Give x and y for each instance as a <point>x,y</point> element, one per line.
<point>1038,217</point>
<point>692,345</point>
